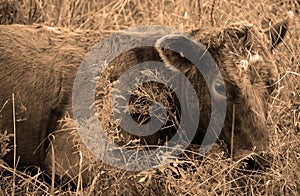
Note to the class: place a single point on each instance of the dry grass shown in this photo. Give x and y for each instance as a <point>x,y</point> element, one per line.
<point>215,174</point>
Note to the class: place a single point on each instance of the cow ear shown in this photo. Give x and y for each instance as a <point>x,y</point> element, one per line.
<point>240,34</point>
<point>179,50</point>
<point>169,49</point>
<point>277,32</point>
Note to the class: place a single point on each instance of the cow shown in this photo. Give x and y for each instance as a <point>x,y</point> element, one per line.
<point>39,65</point>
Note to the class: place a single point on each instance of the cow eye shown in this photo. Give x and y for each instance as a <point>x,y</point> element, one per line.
<point>220,88</point>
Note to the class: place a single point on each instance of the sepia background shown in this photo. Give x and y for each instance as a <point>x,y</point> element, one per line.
<point>216,174</point>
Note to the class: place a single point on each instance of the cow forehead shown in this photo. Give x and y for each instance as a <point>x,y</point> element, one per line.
<point>253,58</point>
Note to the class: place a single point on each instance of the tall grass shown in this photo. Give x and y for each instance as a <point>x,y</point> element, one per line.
<point>215,174</point>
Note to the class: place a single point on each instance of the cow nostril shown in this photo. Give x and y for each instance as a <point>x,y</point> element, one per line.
<point>259,162</point>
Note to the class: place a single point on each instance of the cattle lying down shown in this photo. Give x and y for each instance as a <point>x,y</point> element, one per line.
<point>38,66</point>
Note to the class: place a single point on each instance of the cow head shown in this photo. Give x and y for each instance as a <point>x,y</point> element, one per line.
<point>243,54</point>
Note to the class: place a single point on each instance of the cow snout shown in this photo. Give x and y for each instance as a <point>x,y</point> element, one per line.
<point>253,160</point>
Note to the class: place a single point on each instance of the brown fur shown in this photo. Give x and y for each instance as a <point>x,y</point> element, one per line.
<point>248,89</point>
<point>38,64</point>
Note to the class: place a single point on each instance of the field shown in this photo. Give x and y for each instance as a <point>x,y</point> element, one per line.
<point>216,173</point>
